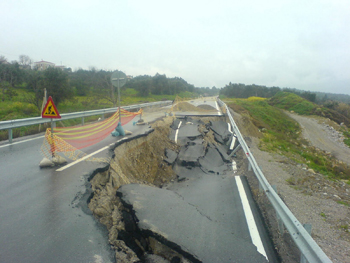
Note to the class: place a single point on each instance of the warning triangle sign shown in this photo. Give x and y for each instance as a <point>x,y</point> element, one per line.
<point>50,110</point>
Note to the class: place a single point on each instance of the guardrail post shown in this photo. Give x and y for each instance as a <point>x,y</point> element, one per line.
<point>82,121</point>
<point>10,135</point>
<point>249,166</point>
<point>308,229</point>
<point>235,150</point>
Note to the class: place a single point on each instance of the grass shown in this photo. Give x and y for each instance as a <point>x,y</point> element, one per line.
<point>282,135</point>
<point>343,203</point>
<point>346,134</point>
<point>344,227</point>
<point>292,102</point>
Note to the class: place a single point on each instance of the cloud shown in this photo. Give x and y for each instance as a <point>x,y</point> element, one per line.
<point>288,43</point>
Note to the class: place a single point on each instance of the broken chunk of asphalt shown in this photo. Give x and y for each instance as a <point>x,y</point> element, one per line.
<point>171,156</point>
<point>167,217</point>
<point>221,128</point>
<point>218,138</point>
<point>187,172</point>
<point>190,154</point>
<point>187,131</point>
<point>212,162</point>
<point>223,152</point>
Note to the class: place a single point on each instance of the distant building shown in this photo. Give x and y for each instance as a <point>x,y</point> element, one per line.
<point>60,67</point>
<point>128,77</point>
<point>42,65</point>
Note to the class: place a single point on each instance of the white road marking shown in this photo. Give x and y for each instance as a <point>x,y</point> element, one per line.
<point>253,230</point>
<point>177,131</point>
<point>229,127</point>
<point>81,159</point>
<point>234,166</point>
<point>233,142</point>
<point>87,156</point>
<point>40,137</point>
<point>217,108</point>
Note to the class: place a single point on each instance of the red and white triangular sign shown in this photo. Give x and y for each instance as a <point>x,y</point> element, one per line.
<point>50,110</point>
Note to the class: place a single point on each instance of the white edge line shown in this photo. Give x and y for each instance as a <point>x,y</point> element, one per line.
<point>229,127</point>
<point>234,166</point>
<point>14,143</point>
<point>253,230</point>
<point>81,159</point>
<point>233,142</point>
<point>217,108</point>
<point>177,131</point>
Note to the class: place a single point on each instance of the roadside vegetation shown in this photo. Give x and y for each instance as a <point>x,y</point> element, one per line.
<point>22,91</point>
<point>281,134</point>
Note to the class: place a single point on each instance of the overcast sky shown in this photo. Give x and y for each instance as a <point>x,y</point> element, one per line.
<point>303,44</point>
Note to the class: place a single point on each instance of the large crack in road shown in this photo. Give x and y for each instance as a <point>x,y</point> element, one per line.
<point>164,202</point>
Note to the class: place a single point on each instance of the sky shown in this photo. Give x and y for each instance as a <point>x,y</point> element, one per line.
<point>294,43</point>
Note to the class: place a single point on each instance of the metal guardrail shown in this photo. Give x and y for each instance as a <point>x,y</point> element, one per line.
<point>9,125</point>
<point>307,246</point>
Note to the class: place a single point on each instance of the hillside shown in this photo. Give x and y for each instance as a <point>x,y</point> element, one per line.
<point>292,102</point>
<point>312,178</point>
<point>280,133</point>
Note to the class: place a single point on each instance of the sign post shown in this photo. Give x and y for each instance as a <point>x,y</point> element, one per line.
<point>50,111</point>
<point>118,80</point>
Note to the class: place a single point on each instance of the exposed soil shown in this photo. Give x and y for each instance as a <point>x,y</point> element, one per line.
<point>185,106</point>
<point>138,161</point>
<point>311,197</point>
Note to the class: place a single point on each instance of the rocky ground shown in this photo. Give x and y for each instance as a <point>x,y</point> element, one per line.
<point>311,197</point>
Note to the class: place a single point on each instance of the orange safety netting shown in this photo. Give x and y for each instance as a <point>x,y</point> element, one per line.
<point>69,140</point>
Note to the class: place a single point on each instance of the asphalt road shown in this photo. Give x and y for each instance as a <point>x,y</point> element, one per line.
<point>44,215</point>
<point>209,214</point>
<point>43,212</point>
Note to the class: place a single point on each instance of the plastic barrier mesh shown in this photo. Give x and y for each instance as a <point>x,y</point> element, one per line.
<point>68,141</point>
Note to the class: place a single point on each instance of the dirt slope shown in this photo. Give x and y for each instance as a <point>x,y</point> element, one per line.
<point>322,133</point>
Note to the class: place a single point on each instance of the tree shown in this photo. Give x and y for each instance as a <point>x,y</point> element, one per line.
<point>11,73</point>
<point>35,84</point>
<point>25,61</point>
<point>103,87</point>
<point>160,84</point>
<point>81,81</point>
<point>3,60</point>
<point>56,83</point>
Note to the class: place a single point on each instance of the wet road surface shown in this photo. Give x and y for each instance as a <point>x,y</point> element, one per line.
<point>43,212</point>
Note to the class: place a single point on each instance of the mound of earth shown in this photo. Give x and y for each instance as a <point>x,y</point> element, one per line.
<point>206,107</point>
<point>185,106</point>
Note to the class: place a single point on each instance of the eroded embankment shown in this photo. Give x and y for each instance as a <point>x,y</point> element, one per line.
<point>138,161</point>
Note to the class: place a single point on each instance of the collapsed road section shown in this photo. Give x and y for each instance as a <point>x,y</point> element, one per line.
<point>180,202</point>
